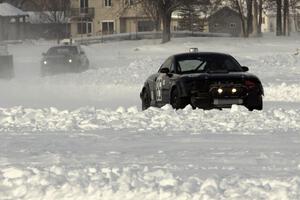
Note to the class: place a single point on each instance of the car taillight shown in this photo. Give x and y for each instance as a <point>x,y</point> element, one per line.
<point>249,84</point>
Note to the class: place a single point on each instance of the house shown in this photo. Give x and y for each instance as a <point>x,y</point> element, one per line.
<point>38,23</point>
<point>12,22</point>
<point>269,21</point>
<point>101,17</point>
<point>225,20</point>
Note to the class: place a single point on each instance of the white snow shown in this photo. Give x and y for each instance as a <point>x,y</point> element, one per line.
<point>84,136</point>
<point>7,10</point>
<point>237,120</point>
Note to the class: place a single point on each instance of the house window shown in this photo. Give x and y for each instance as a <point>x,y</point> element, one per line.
<point>232,25</point>
<point>84,27</point>
<point>84,3</point>
<point>128,2</point>
<point>144,26</point>
<point>107,27</point>
<point>107,3</point>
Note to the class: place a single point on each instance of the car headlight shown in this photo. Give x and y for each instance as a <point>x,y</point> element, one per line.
<point>70,60</point>
<point>220,90</point>
<point>234,90</point>
<point>45,62</point>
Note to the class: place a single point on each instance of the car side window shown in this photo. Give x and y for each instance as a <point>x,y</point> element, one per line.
<point>172,68</point>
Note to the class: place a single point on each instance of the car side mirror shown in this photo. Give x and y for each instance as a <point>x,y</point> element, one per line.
<point>164,71</point>
<point>43,54</point>
<point>245,69</point>
<point>81,53</point>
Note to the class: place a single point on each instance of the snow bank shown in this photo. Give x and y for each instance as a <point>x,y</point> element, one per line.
<point>274,68</point>
<point>136,183</point>
<point>282,92</point>
<point>235,120</point>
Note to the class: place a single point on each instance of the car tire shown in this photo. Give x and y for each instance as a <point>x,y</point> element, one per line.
<point>255,102</point>
<point>176,101</point>
<point>146,98</point>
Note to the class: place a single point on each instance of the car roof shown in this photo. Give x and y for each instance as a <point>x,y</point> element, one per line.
<point>200,54</point>
<point>68,45</point>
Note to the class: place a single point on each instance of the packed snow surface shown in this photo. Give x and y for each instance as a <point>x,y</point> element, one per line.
<point>237,120</point>
<point>84,136</point>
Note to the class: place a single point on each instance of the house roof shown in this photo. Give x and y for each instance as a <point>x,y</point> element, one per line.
<point>225,8</point>
<point>7,10</point>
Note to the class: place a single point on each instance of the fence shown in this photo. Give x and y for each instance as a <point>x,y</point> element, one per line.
<point>144,35</point>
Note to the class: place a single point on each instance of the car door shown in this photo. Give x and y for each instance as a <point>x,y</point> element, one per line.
<point>163,82</point>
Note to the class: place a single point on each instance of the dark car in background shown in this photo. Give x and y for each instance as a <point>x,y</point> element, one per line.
<point>204,80</point>
<point>6,63</point>
<point>64,59</point>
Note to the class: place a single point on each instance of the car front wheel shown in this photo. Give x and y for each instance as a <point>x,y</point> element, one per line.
<point>176,101</point>
<point>254,102</point>
<point>146,98</point>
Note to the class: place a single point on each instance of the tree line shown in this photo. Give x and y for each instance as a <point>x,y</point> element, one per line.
<point>250,12</point>
<point>160,12</point>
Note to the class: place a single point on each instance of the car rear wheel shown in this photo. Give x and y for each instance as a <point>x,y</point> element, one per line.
<point>146,98</point>
<point>176,101</point>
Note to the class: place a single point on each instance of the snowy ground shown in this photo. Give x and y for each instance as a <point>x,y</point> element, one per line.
<point>83,136</point>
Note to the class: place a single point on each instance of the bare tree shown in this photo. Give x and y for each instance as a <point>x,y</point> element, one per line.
<point>260,16</point>
<point>55,12</point>
<point>286,17</point>
<point>295,7</point>
<point>151,10</point>
<point>239,5</point>
<point>279,18</point>
<point>164,9</point>
<point>249,4</point>
<point>250,12</point>
<point>255,19</point>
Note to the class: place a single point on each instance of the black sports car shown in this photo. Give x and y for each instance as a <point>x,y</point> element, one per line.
<point>204,80</point>
<point>64,59</point>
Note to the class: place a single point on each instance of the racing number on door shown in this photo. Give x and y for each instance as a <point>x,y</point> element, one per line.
<point>159,85</point>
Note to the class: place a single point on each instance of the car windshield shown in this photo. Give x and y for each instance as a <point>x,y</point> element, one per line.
<point>207,63</point>
<point>62,50</point>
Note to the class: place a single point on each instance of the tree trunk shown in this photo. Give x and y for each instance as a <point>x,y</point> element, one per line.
<point>284,17</point>
<point>295,19</point>
<point>255,19</point>
<point>249,17</point>
<point>279,18</point>
<point>241,17</point>
<point>286,20</point>
<point>166,20</point>
<point>260,17</point>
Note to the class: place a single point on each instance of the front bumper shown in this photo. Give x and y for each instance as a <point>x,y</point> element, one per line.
<point>57,68</point>
<point>220,96</point>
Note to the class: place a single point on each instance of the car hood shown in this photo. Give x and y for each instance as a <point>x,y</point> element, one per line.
<point>59,56</point>
<point>212,76</point>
